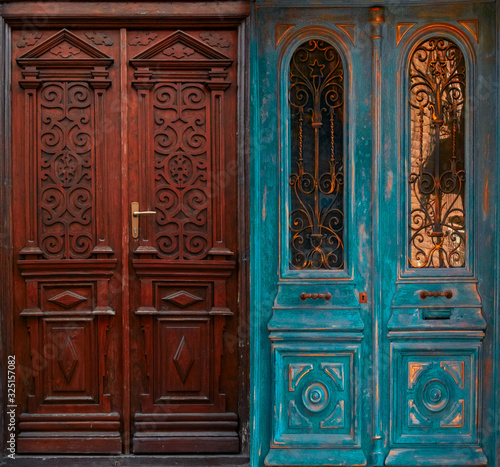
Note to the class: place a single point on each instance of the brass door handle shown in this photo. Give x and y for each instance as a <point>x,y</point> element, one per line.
<point>137,213</point>
<point>314,296</point>
<point>134,209</point>
<point>435,293</point>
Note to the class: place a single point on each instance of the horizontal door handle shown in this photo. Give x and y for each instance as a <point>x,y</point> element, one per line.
<point>140,213</point>
<point>134,209</point>
<point>314,296</point>
<point>435,293</point>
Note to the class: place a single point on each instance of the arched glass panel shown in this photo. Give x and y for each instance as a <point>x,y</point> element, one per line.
<point>437,83</point>
<point>316,100</point>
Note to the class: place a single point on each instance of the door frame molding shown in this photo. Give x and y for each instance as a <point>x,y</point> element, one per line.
<point>119,14</point>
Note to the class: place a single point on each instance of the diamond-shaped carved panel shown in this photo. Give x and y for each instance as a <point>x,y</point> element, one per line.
<point>68,359</point>
<point>183,360</point>
<point>182,299</point>
<point>67,299</point>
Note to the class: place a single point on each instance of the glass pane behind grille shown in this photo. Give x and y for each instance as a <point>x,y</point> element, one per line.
<point>437,175</point>
<point>316,100</point>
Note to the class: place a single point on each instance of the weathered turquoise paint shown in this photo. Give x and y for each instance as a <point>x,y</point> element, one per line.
<point>331,346</point>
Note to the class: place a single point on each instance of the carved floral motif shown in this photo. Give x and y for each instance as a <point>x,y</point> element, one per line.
<point>29,39</point>
<point>65,50</point>
<point>99,38</point>
<point>178,51</point>
<point>143,38</point>
<point>215,39</point>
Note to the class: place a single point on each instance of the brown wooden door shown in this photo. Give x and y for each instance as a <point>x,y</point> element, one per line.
<point>119,333</point>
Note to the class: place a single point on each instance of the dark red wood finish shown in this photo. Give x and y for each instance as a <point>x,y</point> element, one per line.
<point>183,108</point>
<point>125,344</point>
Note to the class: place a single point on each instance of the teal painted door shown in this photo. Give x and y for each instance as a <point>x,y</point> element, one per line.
<point>374,248</point>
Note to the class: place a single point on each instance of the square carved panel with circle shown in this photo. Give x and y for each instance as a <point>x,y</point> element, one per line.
<point>435,393</point>
<point>316,395</point>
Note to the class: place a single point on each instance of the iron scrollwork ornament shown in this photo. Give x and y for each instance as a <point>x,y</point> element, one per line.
<point>316,100</point>
<point>437,177</point>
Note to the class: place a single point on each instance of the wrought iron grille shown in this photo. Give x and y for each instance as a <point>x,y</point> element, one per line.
<point>316,99</point>
<point>437,175</point>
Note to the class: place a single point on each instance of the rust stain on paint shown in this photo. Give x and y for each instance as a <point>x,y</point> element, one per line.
<point>486,194</point>
<point>388,187</point>
<point>264,204</point>
<point>486,198</point>
<point>362,236</point>
<point>488,368</point>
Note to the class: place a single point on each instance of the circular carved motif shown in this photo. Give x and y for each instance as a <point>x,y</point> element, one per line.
<point>315,397</point>
<point>435,395</point>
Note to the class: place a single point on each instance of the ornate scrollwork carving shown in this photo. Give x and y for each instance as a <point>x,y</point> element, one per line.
<point>181,170</point>
<point>317,207</point>
<point>66,172</point>
<point>437,175</point>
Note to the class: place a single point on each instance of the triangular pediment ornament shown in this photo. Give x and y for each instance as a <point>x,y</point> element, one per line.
<point>180,46</point>
<point>65,56</point>
<point>177,54</point>
<point>62,46</point>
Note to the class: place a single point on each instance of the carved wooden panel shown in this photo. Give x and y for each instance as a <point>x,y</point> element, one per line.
<point>176,297</point>
<point>183,313</point>
<point>316,395</point>
<point>58,297</point>
<point>70,346</point>
<point>183,90</point>
<point>64,81</point>
<point>61,87</point>
<point>181,84</point>
<point>67,170</point>
<point>96,129</point>
<point>435,394</point>
<point>182,169</point>
<point>183,367</point>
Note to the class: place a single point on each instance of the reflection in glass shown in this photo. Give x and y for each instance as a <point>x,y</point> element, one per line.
<point>437,175</point>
